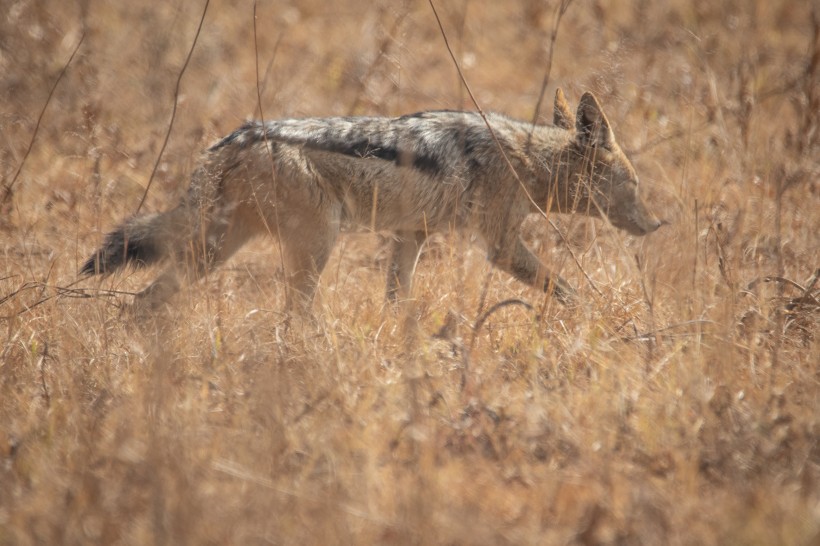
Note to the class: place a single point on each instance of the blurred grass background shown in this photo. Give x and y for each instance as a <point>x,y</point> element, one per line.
<point>678,407</point>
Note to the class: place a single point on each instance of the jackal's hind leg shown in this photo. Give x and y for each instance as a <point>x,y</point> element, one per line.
<point>406,249</point>
<point>194,260</point>
<point>159,291</point>
<point>305,256</point>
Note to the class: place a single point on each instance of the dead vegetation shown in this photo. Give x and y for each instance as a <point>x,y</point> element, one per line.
<point>678,405</point>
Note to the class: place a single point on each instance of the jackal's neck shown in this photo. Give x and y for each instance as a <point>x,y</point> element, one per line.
<point>551,156</point>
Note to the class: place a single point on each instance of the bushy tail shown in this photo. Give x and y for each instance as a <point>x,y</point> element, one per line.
<point>137,242</point>
<point>150,238</point>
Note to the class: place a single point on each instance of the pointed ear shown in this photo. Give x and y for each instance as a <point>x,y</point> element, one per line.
<point>562,115</point>
<point>591,124</point>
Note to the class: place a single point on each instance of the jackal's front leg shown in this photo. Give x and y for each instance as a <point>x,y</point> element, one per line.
<point>526,267</point>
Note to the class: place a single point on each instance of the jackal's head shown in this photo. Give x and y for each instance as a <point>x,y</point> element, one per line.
<point>602,179</point>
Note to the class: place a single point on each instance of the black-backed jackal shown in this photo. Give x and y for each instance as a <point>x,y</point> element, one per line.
<point>306,180</point>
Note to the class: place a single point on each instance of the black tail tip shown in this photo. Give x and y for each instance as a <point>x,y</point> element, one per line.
<point>92,266</point>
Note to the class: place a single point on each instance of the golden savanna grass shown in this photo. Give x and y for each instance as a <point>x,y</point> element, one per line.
<point>680,404</point>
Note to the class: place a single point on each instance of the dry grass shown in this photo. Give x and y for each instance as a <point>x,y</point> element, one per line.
<point>680,407</point>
